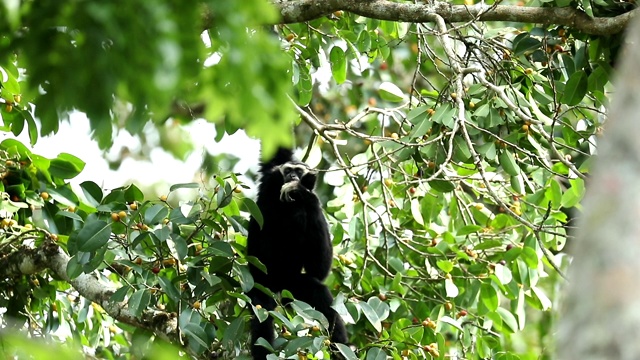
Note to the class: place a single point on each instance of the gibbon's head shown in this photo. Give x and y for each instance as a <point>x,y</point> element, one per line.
<point>295,175</point>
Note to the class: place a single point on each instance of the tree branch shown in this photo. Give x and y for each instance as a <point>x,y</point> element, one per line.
<point>27,260</point>
<point>306,10</point>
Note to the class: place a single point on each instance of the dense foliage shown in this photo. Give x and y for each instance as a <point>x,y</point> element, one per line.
<point>453,158</point>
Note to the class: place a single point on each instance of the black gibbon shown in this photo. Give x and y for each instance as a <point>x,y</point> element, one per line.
<point>294,236</point>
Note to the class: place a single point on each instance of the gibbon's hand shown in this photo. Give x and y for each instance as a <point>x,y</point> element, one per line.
<point>292,190</point>
<point>287,189</point>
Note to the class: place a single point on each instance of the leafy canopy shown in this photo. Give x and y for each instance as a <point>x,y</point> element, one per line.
<point>453,160</point>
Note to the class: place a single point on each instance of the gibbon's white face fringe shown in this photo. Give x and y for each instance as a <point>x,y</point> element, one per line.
<point>289,167</point>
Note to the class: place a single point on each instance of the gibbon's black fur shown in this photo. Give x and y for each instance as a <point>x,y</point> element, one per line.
<point>294,236</point>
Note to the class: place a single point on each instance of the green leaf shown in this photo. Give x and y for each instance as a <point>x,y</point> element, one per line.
<point>196,334</point>
<point>376,353</point>
<point>15,148</point>
<point>442,185</point>
<point>508,319</point>
<point>132,194</point>
<point>508,163</point>
<point>575,89</point>
<point>338,64</point>
<point>74,268</point>
<point>139,301</point>
<point>503,274</point>
<point>234,331</point>
<point>169,288</point>
<point>155,214</point>
<point>545,303</point>
<point>94,234</point>
<point>92,192</point>
<point>380,307</point>
<point>390,92</point>
<point>66,166</point>
<point>530,257</point>
<point>574,194</point>
<point>371,315</point>
<point>224,195</point>
<point>445,265</point>
<point>489,297</point>
<point>346,352</point>
<point>254,211</point>
<point>468,229</point>
<point>184,186</point>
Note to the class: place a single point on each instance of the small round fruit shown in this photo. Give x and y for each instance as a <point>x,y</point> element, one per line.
<point>412,190</point>
<point>382,297</point>
<point>372,101</point>
<point>315,328</point>
<point>525,127</point>
<point>17,98</point>
<point>163,197</point>
<point>384,66</point>
<point>8,107</point>
<point>395,136</point>
<point>258,306</point>
<point>338,13</point>
<point>44,195</point>
<point>509,247</point>
<point>528,71</point>
<point>237,190</point>
<point>431,111</point>
<point>461,313</point>
<point>115,217</point>
<point>155,269</point>
<point>472,104</point>
<point>196,305</point>
<point>290,37</point>
<point>133,206</point>
<point>448,305</point>
<point>454,96</point>
<point>122,215</point>
<point>138,261</point>
<point>502,262</point>
<point>388,182</point>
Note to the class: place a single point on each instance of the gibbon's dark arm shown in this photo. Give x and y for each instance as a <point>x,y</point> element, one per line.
<point>318,245</point>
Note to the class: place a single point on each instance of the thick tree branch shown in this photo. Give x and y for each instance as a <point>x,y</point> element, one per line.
<point>49,256</point>
<point>306,10</point>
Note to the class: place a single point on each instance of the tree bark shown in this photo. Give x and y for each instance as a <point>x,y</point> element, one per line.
<point>306,10</point>
<point>601,319</point>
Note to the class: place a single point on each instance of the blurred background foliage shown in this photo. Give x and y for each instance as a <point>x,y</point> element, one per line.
<point>453,162</point>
